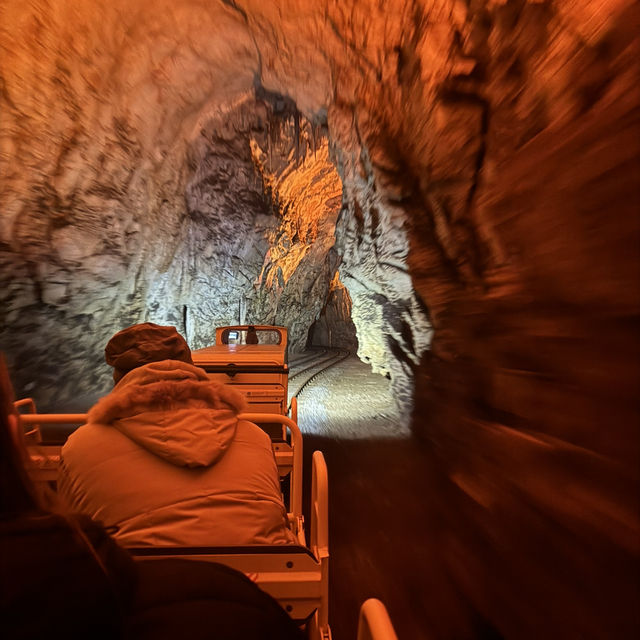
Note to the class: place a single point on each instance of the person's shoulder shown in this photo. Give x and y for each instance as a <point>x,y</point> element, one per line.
<point>251,431</point>
<point>89,434</point>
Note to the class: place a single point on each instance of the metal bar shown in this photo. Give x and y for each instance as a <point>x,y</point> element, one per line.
<point>320,502</point>
<point>319,539</point>
<point>26,402</point>
<point>53,418</point>
<point>233,369</point>
<point>374,622</point>
<point>296,440</point>
<point>296,443</point>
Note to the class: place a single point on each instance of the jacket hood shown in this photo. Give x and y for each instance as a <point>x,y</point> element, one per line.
<point>173,410</point>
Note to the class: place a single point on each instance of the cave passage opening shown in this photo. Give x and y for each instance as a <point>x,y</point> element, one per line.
<point>197,185</point>
<point>276,235</point>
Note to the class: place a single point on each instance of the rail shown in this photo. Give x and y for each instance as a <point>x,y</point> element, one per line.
<point>302,358</point>
<point>318,367</point>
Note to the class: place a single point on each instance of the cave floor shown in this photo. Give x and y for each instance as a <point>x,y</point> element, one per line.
<point>384,523</point>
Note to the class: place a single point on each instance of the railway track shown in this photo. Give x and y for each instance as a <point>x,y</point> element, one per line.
<point>304,369</point>
<point>299,359</point>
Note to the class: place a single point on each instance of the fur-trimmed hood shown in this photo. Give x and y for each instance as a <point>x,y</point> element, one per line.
<point>173,410</point>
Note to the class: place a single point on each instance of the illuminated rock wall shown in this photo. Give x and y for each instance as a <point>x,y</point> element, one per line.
<point>334,327</point>
<point>305,193</point>
<point>488,155</point>
<point>98,108</point>
<point>262,213</point>
<point>150,176</point>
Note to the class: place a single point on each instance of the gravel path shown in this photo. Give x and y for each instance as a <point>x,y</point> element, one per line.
<point>349,402</point>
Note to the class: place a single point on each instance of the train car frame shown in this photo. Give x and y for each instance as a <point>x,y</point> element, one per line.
<point>297,576</point>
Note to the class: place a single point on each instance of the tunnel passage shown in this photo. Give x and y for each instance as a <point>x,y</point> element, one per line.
<point>334,327</point>
<point>488,158</point>
<point>233,218</point>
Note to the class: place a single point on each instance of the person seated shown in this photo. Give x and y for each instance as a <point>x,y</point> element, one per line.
<point>164,459</point>
<point>252,336</point>
<point>62,574</point>
<point>59,571</point>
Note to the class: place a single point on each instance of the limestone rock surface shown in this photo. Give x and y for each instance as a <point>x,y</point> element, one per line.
<point>335,327</point>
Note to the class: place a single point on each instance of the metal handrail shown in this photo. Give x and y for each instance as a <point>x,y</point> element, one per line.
<point>296,440</point>
<point>374,622</point>
<point>296,444</point>
<point>319,535</point>
<point>53,418</point>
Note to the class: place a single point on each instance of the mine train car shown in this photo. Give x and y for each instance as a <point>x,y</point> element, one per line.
<point>253,359</point>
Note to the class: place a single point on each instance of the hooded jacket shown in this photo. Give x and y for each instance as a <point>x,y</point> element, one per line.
<point>164,460</point>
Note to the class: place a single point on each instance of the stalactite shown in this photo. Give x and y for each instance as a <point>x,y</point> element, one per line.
<point>314,134</point>
<point>296,133</point>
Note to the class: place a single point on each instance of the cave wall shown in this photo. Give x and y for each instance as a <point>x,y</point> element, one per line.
<point>262,203</point>
<point>306,194</point>
<point>334,327</point>
<point>488,154</point>
<point>97,105</point>
<point>508,136</point>
<point>135,188</point>
<point>529,381</point>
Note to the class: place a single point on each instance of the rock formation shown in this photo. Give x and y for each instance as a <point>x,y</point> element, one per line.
<point>469,167</point>
<point>335,328</point>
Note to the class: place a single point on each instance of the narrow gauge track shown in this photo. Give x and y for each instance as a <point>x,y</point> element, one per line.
<point>299,359</point>
<point>305,369</point>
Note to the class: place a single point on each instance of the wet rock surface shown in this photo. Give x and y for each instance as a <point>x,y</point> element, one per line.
<point>157,170</point>
<point>240,248</point>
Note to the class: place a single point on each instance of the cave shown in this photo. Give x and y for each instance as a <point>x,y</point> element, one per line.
<point>447,187</point>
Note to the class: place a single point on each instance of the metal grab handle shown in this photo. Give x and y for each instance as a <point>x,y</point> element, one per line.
<point>53,418</point>
<point>374,622</point>
<point>296,440</point>
<point>296,443</point>
<point>319,535</point>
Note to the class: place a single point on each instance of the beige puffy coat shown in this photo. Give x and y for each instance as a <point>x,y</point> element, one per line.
<point>164,459</point>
